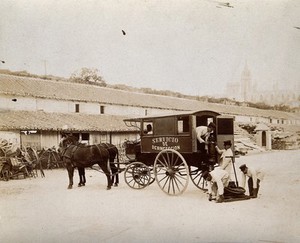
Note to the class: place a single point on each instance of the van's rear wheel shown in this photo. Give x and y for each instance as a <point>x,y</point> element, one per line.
<point>197,178</point>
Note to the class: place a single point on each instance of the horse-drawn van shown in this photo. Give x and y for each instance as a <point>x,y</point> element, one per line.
<point>169,152</point>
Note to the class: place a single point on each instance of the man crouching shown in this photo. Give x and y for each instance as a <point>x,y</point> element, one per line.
<point>255,176</point>
<point>217,180</point>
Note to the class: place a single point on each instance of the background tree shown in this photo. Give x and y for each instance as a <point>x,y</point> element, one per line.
<point>88,75</point>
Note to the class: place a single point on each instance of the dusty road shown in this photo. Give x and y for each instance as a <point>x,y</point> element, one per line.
<point>43,210</point>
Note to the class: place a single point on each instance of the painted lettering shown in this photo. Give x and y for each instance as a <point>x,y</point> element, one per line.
<point>165,142</point>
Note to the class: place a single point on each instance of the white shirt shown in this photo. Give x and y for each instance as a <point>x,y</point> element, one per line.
<point>254,174</point>
<point>202,134</point>
<point>225,159</point>
<point>221,177</point>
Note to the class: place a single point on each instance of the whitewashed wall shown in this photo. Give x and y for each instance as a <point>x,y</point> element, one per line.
<point>114,138</point>
<point>10,136</point>
<point>48,105</point>
<point>257,119</point>
<point>61,106</point>
<point>242,118</point>
<point>47,139</point>
<point>50,139</point>
<point>21,103</point>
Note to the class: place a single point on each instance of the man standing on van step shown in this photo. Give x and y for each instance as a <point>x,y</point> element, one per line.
<point>203,133</point>
<point>226,156</point>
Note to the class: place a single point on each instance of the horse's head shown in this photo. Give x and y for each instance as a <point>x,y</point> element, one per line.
<point>69,140</point>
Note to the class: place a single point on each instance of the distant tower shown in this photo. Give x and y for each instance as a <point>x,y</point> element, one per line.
<point>246,84</point>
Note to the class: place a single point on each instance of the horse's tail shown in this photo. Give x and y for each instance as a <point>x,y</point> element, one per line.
<point>117,154</point>
<point>108,166</point>
<point>98,146</point>
<point>118,161</point>
<point>117,157</point>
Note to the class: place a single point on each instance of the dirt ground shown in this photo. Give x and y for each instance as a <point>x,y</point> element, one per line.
<point>43,210</point>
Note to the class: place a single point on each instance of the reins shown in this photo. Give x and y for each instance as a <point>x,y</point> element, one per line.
<point>101,171</point>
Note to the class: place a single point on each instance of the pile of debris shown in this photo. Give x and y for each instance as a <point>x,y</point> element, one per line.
<point>244,140</point>
<point>284,137</point>
<point>285,140</point>
<point>7,149</point>
<point>15,162</point>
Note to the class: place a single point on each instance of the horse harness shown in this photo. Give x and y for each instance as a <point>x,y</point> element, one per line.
<point>69,154</point>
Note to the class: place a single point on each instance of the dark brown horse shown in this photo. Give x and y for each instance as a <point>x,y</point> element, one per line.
<point>113,154</point>
<point>81,156</point>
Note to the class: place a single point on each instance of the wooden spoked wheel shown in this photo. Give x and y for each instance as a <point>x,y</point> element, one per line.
<point>197,178</point>
<point>5,173</point>
<point>137,175</point>
<point>171,172</point>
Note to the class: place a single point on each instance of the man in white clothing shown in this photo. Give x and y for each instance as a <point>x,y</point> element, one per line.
<point>203,133</point>
<point>217,180</point>
<point>255,176</point>
<point>226,156</point>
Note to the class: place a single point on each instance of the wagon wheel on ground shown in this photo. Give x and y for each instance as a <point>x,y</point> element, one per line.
<point>53,159</point>
<point>197,178</point>
<point>2,152</point>
<point>171,172</point>
<point>5,173</point>
<point>32,156</point>
<point>137,175</point>
<point>58,161</point>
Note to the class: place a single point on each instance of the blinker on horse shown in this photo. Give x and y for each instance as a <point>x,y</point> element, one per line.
<point>81,156</point>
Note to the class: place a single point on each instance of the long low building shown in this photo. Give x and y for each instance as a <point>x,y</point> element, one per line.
<point>34,111</point>
<point>43,130</point>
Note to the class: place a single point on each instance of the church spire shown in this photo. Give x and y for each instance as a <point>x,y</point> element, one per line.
<point>246,85</point>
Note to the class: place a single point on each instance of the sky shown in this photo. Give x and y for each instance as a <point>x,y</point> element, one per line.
<point>194,47</point>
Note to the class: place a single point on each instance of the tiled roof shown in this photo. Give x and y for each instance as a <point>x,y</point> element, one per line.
<point>33,87</point>
<point>24,86</point>
<point>29,120</point>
